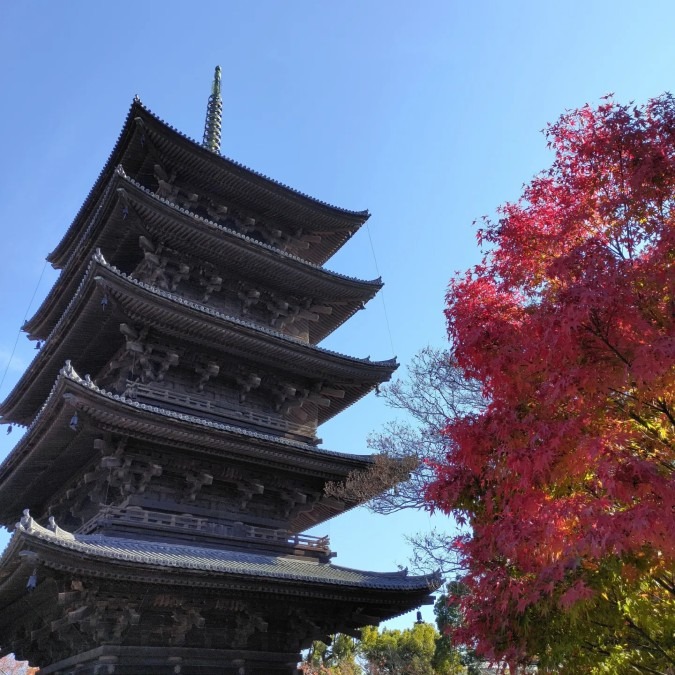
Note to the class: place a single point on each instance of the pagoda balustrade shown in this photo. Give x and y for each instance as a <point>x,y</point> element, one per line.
<point>229,409</point>
<point>173,522</point>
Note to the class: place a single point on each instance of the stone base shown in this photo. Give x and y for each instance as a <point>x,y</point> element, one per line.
<point>114,660</point>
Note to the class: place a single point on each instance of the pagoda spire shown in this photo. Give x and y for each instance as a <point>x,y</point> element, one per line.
<point>214,115</point>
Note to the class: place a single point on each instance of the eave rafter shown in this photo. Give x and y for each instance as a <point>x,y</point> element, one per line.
<point>64,433</point>
<point>184,565</point>
<point>177,587</point>
<point>211,172</point>
<point>142,216</point>
<point>107,300</point>
<point>259,196</point>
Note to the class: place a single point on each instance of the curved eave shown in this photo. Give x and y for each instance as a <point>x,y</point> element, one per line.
<point>90,336</point>
<point>135,560</point>
<point>64,249</point>
<point>203,240</point>
<point>45,457</point>
<point>197,324</point>
<point>82,331</point>
<point>244,186</point>
<point>100,225</point>
<point>255,192</point>
<point>180,229</point>
<point>157,306</point>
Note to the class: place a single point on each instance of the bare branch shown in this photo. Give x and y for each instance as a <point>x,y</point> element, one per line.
<point>433,393</point>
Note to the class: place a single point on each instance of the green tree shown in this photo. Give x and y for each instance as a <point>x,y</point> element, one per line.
<point>338,658</point>
<point>420,650</point>
<point>448,618</point>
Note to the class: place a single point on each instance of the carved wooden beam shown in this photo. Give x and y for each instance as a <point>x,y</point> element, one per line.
<point>140,360</point>
<point>246,624</point>
<point>216,212</point>
<point>166,187</point>
<point>195,482</point>
<point>129,474</point>
<point>249,297</point>
<point>248,488</point>
<point>188,200</point>
<point>161,267</point>
<point>206,372</point>
<point>210,281</point>
<point>247,382</point>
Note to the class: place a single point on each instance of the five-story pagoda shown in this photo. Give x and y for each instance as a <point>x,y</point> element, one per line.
<point>170,460</point>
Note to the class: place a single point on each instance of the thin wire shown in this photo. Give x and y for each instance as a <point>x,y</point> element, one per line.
<point>384,304</point>
<point>25,316</point>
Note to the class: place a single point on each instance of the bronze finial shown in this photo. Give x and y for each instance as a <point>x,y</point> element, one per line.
<point>214,115</point>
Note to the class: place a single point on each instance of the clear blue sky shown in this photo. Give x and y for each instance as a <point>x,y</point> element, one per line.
<point>427,113</point>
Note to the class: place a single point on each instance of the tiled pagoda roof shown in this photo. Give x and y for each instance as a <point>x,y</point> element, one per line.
<point>217,175</point>
<point>46,456</point>
<point>131,559</point>
<point>83,334</point>
<point>208,241</point>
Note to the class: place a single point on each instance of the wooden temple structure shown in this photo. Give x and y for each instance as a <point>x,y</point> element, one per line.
<point>171,462</point>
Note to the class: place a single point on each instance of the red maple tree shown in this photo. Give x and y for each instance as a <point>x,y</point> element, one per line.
<point>566,476</point>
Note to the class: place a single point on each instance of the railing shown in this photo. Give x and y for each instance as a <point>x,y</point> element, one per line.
<point>197,404</point>
<point>135,515</point>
